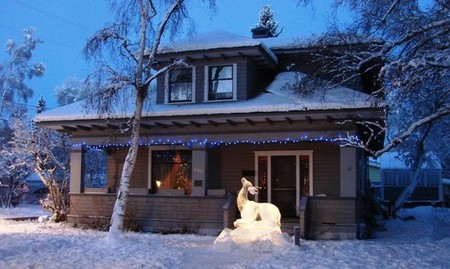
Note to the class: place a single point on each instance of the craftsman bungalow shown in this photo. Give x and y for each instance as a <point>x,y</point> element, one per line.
<point>233,113</point>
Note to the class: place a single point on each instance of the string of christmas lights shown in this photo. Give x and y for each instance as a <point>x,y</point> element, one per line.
<point>212,143</point>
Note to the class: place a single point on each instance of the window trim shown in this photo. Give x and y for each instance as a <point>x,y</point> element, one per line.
<point>167,88</point>
<point>234,83</point>
<point>150,162</point>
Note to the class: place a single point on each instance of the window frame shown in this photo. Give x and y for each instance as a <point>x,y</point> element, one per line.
<point>207,83</point>
<point>102,177</point>
<point>151,183</point>
<point>167,89</point>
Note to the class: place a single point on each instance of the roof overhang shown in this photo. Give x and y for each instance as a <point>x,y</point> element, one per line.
<point>256,54</point>
<point>253,120</point>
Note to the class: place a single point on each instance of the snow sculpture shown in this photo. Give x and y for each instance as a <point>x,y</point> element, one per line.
<point>258,229</point>
<point>265,215</point>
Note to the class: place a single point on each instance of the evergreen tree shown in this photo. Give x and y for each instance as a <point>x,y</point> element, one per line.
<point>267,21</point>
<point>41,106</point>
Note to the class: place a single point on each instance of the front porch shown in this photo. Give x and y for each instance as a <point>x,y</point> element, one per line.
<point>158,213</point>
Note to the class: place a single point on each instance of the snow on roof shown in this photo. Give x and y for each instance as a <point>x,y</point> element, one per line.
<point>276,98</point>
<point>214,40</point>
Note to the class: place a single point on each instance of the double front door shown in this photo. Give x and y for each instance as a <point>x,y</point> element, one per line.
<point>284,177</point>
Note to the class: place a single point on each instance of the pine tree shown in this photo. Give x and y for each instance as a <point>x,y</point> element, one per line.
<point>41,106</point>
<point>267,21</point>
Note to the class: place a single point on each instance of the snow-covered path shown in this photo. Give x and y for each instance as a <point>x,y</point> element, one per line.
<point>420,243</point>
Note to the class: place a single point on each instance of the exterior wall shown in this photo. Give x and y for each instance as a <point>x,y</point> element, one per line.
<point>245,71</point>
<point>203,215</point>
<point>140,172</point>
<point>349,172</point>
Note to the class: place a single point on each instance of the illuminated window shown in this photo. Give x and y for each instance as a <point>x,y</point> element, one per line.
<point>172,170</point>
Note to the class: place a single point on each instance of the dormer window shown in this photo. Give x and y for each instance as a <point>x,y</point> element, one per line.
<point>180,85</point>
<point>221,84</point>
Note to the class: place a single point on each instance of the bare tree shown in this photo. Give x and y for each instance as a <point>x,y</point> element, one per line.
<point>401,50</point>
<point>131,46</point>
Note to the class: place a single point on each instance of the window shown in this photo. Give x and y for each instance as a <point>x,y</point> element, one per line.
<point>172,170</point>
<point>221,82</point>
<point>95,168</point>
<point>180,85</point>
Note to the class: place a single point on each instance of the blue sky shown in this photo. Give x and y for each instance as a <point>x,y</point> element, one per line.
<point>65,25</point>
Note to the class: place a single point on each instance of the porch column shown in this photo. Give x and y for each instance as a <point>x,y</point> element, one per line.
<point>348,172</point>
<point>199,161</point>
<point>76,162</point>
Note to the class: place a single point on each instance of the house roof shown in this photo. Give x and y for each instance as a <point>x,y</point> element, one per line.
<point>277,98</point>
<point>219,44</point>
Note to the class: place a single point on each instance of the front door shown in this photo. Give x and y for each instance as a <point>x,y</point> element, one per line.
<point>284,177</point>
<point>283,187</point>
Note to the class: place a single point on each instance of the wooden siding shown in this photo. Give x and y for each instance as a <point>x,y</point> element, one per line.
<point>204,215</point>
<point>326,169</point>
<point>229,172</point>
<point>140,172</point>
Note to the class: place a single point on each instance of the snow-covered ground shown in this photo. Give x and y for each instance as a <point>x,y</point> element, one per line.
<point>423,242</point>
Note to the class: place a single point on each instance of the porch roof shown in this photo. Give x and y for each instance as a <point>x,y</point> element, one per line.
<point>277,103</point>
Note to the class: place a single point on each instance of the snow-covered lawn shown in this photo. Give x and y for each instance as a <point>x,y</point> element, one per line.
<point>420,243</point>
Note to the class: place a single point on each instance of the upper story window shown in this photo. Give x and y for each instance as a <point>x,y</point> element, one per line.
<point>221,82</point>
<point>180,85</point>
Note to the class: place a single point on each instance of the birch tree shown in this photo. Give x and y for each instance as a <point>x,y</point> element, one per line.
<point>126,53</point>
<point>403,49</point>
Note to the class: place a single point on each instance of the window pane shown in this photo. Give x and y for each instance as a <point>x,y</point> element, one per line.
<point>220,82</point>
<point>221,72</point>
<point>95,172</point>
<point>180,85</point>
<point>181,75</point>
<point>262,178</point>
<point>172,169</point>
<point>181,92</point>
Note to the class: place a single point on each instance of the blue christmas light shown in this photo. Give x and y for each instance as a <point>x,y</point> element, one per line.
<point>213,143</point>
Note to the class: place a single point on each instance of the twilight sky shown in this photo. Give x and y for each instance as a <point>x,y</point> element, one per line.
<point>64,26</point>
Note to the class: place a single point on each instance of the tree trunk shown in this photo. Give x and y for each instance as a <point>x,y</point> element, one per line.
<point>119,211</point>
<point>408,190</point>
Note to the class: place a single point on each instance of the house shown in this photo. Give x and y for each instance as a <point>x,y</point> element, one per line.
<point>232,113</point>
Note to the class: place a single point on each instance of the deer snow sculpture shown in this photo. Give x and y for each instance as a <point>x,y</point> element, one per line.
<point>264,215</point>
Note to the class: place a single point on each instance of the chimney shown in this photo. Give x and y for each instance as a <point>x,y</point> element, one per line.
<point>261,32</point>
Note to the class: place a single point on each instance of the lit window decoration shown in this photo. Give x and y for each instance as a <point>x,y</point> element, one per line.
<point>212,143</point>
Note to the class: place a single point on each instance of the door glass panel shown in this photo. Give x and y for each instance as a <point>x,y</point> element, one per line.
<point>284,184</point>
<point>262,178</point>
<point>304,176</point>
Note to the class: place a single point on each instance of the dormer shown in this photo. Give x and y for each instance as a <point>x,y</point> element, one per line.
<point>223,67</point>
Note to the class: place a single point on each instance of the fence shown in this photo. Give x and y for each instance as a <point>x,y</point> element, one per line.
<point>429,188</point>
